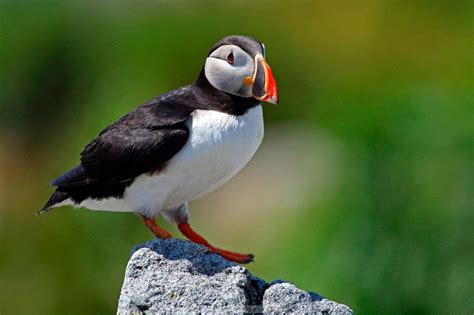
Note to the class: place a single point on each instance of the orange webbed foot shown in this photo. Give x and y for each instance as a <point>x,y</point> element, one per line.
<point>155,228</point>
<point>187,231</point>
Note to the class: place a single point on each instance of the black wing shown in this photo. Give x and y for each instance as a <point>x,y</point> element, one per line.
<point>140,142</point>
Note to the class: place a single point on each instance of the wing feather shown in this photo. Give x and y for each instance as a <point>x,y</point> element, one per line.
<point>142,141</point>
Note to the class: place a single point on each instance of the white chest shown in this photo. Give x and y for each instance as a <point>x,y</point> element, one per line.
<point>220,142</point>
<point>219,146</point>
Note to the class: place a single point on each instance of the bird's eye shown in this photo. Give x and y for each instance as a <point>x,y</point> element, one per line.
<point>230,58</point>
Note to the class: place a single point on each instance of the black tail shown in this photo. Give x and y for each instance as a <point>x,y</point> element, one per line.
<point>55,198</point>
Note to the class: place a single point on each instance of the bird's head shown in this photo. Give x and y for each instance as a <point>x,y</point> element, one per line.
<point>237,65</point>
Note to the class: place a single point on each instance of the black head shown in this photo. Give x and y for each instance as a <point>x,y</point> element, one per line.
<point>250,45</point>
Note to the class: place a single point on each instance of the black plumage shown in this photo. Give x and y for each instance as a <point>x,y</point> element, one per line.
<point>141,141</point>
<point>249,45</point>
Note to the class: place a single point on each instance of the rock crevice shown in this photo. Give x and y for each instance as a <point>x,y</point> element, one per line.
<point>181,277</point>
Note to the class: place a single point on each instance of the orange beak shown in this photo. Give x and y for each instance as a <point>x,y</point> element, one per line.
<point>264,84</point>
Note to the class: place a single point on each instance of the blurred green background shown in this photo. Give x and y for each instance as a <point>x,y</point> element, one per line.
<point>362,190</point>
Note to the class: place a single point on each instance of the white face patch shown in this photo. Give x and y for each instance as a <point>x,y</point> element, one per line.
<point>229,76</point>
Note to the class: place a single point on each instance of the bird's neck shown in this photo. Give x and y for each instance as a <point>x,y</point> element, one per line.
<point>219,100</point>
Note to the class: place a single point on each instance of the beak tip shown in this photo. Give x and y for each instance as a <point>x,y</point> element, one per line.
<point>275,100</point>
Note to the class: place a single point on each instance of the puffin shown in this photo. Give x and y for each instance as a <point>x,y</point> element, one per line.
<point>178,146</point>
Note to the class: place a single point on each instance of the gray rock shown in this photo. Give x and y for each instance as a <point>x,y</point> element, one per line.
<point>284,297</point>
<point>177,276</point>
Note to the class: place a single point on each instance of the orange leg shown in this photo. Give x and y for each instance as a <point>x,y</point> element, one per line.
<point>187,231</point>
<point>155,228</point>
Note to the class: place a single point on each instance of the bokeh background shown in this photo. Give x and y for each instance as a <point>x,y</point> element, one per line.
<point>362,189</point>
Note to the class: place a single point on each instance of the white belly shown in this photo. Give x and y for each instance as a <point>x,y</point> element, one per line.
<point>219,146</point>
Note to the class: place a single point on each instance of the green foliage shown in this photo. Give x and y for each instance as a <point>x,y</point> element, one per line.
<point>391,81</point>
